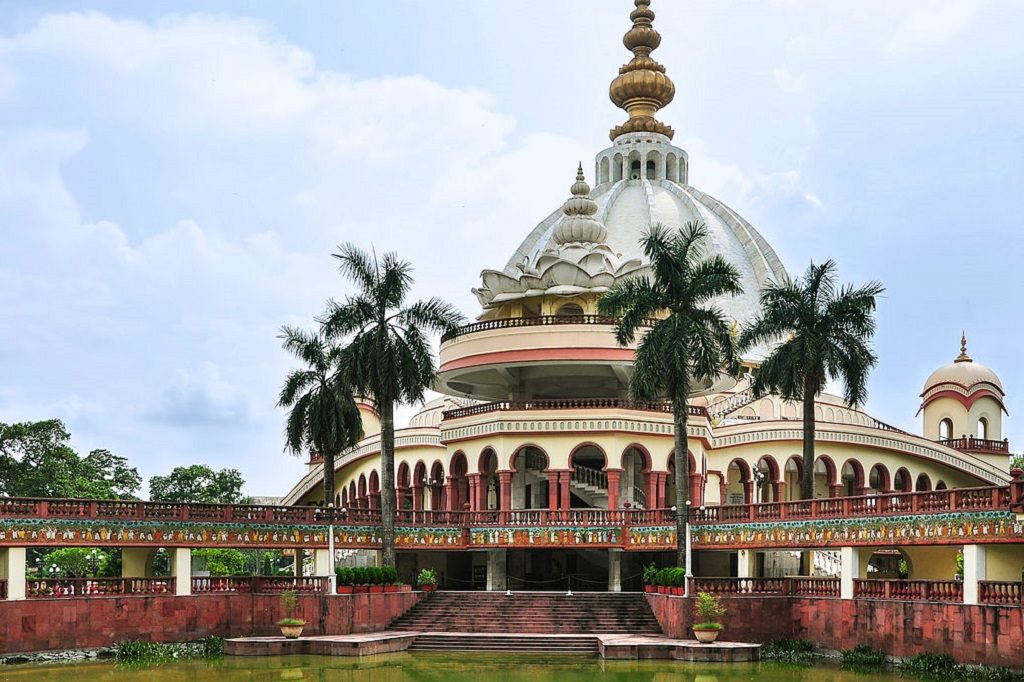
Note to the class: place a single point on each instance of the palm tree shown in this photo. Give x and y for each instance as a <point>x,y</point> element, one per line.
<point>389,350</point>
<point>689,347</point>
<point>828,330</point>
<point>324,418</point>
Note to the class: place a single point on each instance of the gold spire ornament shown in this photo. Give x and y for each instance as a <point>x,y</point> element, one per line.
<point>963,357</point>
<point>641,88</point>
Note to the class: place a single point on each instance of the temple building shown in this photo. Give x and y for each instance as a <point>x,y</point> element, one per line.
<point>536,416</point>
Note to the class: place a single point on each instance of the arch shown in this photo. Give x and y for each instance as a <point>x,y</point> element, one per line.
<point>488,461</point>
<point>923,484</point>
<point>766,409</point>
<point>982,429</point>
<point>634,481</point>
<point>362,486</point>
<point>793,477</point>
<point>684,170</point>
<point>653,165</point>
<point>530,481</point>
<point>344,498</point>
<point>570,310</point>
<point>667,492</point>
<point>438,498</point>
<point>903,483</point>
<point>589,453</point>
<point>739,484</point>
<point>888,563</point>
<point>487,480</point>
<point>419,480</point>
<point>617,168</point>
<point>402,478</point>
<point>459,481</point>
<point>602,176</point>
<point>635,165</point>
<point>770,477</point>
<point>403,492</point>
<point>852,478</point>
<point>945,429</point>
<point>825,477</point>
<point>373,493</point>
<point>352,497</point>
<point>941,485</point>
<point>672,167</point>
<point>878,479</point>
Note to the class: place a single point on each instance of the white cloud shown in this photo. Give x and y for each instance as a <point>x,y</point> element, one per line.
<point>931,23</point>
<point>786,81</point>
<point>202,398</point>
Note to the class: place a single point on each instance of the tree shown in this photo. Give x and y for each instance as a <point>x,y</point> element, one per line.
<point>827,331</point>
<point>198,483</point>
<point>324,417</point>
<point>36,460</point>
<point>690,346</point>
<point>388,355</point>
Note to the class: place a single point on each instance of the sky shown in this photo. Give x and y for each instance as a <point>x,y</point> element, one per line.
<point>175,176</point>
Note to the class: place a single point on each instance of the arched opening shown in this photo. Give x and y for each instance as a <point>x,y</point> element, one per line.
<point>924,484</point>
<point>767,480</point>
<point>633,484</point>
<point>374,490</point>
<point>683,171</point>
<point>878,479</point>
<point>853,478</point>
<point>888,563</point>
<point>651,170</point>
<point>902,481</point>
<point>459,482</point>
<point>794,477</point>
<point>570,310</point>
<point>603,174</point>
<point>403,492</point>
<point>529,478</point>
<point>635,166</point>
<point>344,498</point>
<point>945,429</point>
<point>824,477</point>
<point>617,168</point>
<point>361,499</point>
<point>983,428</point>
<point>353,497</point>
<point>941,485</point>
<point>672,167</point>
<point>668,494</point>
<point>487,484</point>
<point>438,498</point>
<point>419,482</point>
<point>589,487</point>
<point>738,483</point>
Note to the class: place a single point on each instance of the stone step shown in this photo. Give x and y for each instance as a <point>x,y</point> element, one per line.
<point>469,642</point>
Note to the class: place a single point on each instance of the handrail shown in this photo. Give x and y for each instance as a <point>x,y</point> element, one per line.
<point>52,588</point>
<point>909,590</point>
<point>588,476</point>
<point>542,320</point>
<point>972,444</point>
<point>720,408</point>
<point>568,404</point>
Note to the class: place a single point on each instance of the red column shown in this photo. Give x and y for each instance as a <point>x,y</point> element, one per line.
<point>552,490</point>
<point>505,496</point>
<point>417,497</point>
<point>481,492</point>
<point>748,492</point>
<point>446,495</point>
<point>652,490</point>
<point>777,487</point>
<point>565,501</point>
<point>613,488</point>
<point>833,489</point>
<point>696,489</point>
<point>660,493</point>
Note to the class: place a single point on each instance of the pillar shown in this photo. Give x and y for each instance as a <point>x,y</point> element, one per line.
<point>474,484</point>
<point>505,493</point>
<point>849,570</point>
<point>447,502</point>
<point>322,562</point>
<point>12,569</point>
<point>417,497</point>
<point>652,490</point>
<point>613,487</point>
<point>615,570</point>
<point>833,489</point>
<point>481,492</point>
<point>565,497</point>
<point>135,562</point>
<point>745,563</point>
<point>777,491</point>
<point>496,576</point>
<point>552,490</point>
<point>181,569</point>
<point>975,569</point>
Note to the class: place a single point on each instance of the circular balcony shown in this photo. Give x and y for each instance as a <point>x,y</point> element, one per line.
<point>527,358</point>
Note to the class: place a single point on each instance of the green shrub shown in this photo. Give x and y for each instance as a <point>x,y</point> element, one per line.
<point>427,576</point>
<point>799,651</point>
<point>358,575</point>
<point>650,571</point>
<point>863,656</point>
<point>943,666</point>
<point>390,575</point>
<point>344,574</point>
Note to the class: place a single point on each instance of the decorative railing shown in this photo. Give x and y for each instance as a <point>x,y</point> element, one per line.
<point>972,444</point>
<point>568,404</point>
<point>741,585</point>
<point>909,590</point>
<point>258,584</point>
<point>720,408</point>
<point>96,587</point>
<point>1000,592</point>
<point>588,476</point>
<point>815,587</point>
<point>128,510</point>
<point>541,321</point>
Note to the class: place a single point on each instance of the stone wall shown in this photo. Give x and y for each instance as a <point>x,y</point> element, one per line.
<point>50,624</point>
<point>983,635</point>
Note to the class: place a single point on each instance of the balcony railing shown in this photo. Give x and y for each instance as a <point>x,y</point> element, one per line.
<point>909,590</point>
<point>568,404</point>
<point>1000,592</point>
<point>972,444</point>
<point>97,587</point>
<point>741,585</point>
<point>258,584</point>
<point>543,320</point>
<point>815,587</point>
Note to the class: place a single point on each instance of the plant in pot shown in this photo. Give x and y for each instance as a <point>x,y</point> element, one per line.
<point>661,581</point>
<point>390,579</point>
<point>649,572</point>
<point>427,580</point>
<point>678,579</point>
<point>344,574</point>
<point>708,610</point>
<point>291,627</point>
<point>359,584</point>
<point>376,580</point>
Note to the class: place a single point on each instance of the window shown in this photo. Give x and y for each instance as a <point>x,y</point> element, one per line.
<point>983,428</point>
<point>569,309</point>
<point>945,429</point>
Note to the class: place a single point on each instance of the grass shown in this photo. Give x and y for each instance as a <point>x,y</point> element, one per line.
<point>140,652</point>
<point>942,666</point>
<point>799,651</point>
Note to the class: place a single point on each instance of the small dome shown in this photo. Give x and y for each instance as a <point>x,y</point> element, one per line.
<point>963,372</point>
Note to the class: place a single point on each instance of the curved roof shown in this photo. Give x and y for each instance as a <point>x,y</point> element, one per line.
<point>966,374</point>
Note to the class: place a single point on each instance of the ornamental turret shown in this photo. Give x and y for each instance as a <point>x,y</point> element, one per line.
<point>641,88</point>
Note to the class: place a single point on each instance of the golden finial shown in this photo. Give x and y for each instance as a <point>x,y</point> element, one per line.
<point>963,357</point>
<point>641,88</point>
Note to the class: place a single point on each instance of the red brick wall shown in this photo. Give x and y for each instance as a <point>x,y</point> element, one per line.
<point>984,635</point>
<point>48,624</point>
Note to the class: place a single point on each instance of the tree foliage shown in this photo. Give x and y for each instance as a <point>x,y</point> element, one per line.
<point>691,345</point>
<point>37,460</point>
<point>825,331</point>
<point>198,483</point>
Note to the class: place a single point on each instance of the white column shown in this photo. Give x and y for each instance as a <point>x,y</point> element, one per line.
<point>849,570</point>
<point>181,569</point>
<point>12,569</point>
<point>615,570</point>
<point>496,576</point>
<point>135,562</point>
<point>745,564</point>
<point>321,562</point>
<point>974,570</point>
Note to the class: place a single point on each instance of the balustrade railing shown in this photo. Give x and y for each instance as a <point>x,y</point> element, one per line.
<point>972,444</point>
<point>568,404</point>
<point>589,476</point>
<point>1001,592</point>
<point>815,587</point>
<point>258,584</point>
<point>540,321</point>
<point>221,585</point>
<point>909,590</point>
<point>96,587</point>
<point>741,585</point>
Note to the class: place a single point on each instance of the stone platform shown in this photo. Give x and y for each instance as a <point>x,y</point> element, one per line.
<point>608,646</point>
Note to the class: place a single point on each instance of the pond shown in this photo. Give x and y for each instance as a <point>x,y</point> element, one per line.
<point>446,667</point>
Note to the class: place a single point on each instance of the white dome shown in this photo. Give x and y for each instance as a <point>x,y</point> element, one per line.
<point>965,374</point>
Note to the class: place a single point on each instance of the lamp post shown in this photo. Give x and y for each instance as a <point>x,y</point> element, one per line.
<point>688,549</point>
<point>332,579</point>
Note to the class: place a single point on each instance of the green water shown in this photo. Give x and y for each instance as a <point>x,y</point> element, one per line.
<point>446,667</point>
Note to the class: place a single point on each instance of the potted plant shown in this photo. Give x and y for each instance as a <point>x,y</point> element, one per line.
<point>427,580</point>
<point>678,579</point>
<point>390,579</point>
<point>376,580</point>
<point>661,580</point>
<point>708,610</point>
<point>291,627</point>
<point>359,580</point>
<point>344,574</point>
<point>649,572</point>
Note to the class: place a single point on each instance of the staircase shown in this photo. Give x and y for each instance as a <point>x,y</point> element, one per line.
<point>518,644</point>
<point>472,614</point>
<point>590,485</point>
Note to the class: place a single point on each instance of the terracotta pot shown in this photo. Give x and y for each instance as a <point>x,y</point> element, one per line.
<point>391,588</point>
<point>677,592</point>
<point>649,588</point>
<point>345,589</point>
<point>428,588</point>
<point>661,589</point>
<point>361,589</point>
<point>292,631</point>
<point>706,636</point>
<point>405,588</point>
<point>376,589</point>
